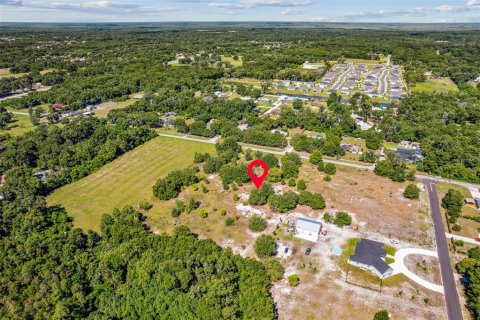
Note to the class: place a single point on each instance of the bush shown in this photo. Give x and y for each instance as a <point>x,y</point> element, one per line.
<point>260,196</point>
<point>456,227</point>
<point>145,205</point>
<point>229,222</point>
<point>327,217</point>
<point>235,197</point>
<point>223,212</point>
<point>293,280</point>
<point>203,213</point>
<point>274,175</point>
<point>178,208</point>
<point>192,204</point>
<point>204,189</point>
<point>170,186</point>
<point>200,157</point>
<point>458,243</point>
<point>313,200</point>
<point>257,223</point>
<point>330,169</point>
<point>412,192</point>
<point>381,315</point>
<point>274,268</point>
<point>316,157</point>
<point>321,166</point>
<point>264,246</point>
<point>342,219</point>
<point>284,202</point>
<point>327,178</point>
<point>301,185</point>
<point>291,183</point>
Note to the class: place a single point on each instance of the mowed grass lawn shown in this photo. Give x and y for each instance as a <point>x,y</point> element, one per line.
<point>125,181</point>
<point>436,85</point>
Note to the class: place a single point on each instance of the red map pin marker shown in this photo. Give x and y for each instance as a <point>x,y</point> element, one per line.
<point>257,180</point>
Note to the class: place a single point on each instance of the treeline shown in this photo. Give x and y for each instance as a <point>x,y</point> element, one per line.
<point>69,153</point>
<point>125,271</point>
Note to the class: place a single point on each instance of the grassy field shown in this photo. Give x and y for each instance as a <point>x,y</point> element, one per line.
<point>235,63</point>
<point>5,73</point>
<point>19,125</point>
<point>125,181</point>
<point>469,227</point>
<point>244,81</point>
<point>105,108</point>
<point>365,61</point>
<point>436,85</point>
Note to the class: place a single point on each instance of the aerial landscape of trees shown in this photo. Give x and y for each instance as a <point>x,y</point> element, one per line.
<point>51,270</point>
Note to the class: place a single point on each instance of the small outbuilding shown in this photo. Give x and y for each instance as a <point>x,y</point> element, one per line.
<point>307,229</point>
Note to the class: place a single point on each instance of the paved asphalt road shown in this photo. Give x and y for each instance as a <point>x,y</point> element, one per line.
<point>452,301</point>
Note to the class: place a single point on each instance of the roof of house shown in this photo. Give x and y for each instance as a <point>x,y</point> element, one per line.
<point>370,253</point>
<point>310,225</point>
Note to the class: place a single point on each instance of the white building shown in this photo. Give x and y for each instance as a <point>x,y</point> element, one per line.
<point>307,229</point>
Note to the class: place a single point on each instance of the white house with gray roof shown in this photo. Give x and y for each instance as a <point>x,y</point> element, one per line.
<point>307,229</point>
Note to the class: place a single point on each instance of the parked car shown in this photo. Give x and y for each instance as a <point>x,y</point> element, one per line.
<point>286,251</point>
<point>307,252</point>
<point>394,241</point>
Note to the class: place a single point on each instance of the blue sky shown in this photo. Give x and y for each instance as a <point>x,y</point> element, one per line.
<point>240,10</point>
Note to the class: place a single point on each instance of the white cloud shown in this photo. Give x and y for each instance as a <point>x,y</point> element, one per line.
<point>11,2</point>
<point>248,4</point>
<point>447,8</point>
<point>472,3</point>
<point>291,12</point>
<point>101,6</point>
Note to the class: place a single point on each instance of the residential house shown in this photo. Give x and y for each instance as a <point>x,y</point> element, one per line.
<point>370,255</point>
<point>409,155</point>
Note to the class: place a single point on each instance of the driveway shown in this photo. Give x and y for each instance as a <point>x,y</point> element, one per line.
<point>400,267</point>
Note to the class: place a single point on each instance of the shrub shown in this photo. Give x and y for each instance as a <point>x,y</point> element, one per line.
<point>145,205</point>
<point>381,315</point>
<point>321,166</point>
<point>301,185</point>
<point>229,222</point>
<point>330,169</point>
<point>274,268</point>
<point>456,227</point>
<point>192,204</point>
<point>458,243</point>
<point>327,217</point>
<point>223,212</point>
<point>260,196</point>
<point>170,186</point>
<point>257,223</point>
<point>293,280</point>
<point>235,197</point>
<point>264,246</point>
<point>291,183</point>
<point>313,200</point>
<point>412,192</point>
<point>342,219</point>
<point>204,189</point>
<point>203,213</point>
<point>327,178</point>
<point>316,157</point>
<point>274,175</point>
<point>284,202</point>
<point>178,208</point>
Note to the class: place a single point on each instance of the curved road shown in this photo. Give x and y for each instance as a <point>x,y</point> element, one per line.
<point>400,267</point>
